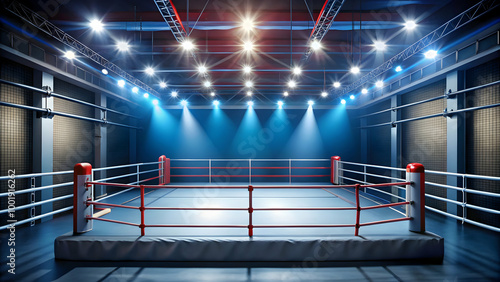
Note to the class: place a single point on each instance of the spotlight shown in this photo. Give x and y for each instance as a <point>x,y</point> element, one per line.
<point>207,84</point>
<point>310,102</point>
<point>431,54</point>
<point>248,46</point>
<point>202,69</point>
<point>249,93</point>
<point>96,25</point>
<point>216,103</point>
<point>379,84</point>
<point>212,94</point>
<point>355,70</point>
<point>364,91</point>
<point>379,45</point>
<point>280,104</point>
<point>398,69</point>
<point>410,25</point>
<point>122,46</point>
<point>336,84</point>
<point>121,82</point>
<point>324,94</point>
<point>297,71</point>
<point>174,94</point>
<point>247,69</point>
<point>184,103</point>
<point>247,24</point>
<point>249,84</point>
<point>285,93</point>
<point>146,95</point>
<point>250,103</point>
<point>315,45</point>
<point>149,71</point>
<point>351,97</point>
<point>187,45</point>
<point>104,71</point>
<point>70,55</point>
<point>342,102</point>
<point>135,89</point>
<point>292,84</point>
<point>155,102</point>
<point>163,85</point>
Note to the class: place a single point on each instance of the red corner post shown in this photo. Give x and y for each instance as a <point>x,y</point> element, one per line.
<point>82,192</point>
<point>358,211</point>
<point>415,194</point>
<point>335,170</point>
<point>250,211</point>
<point>164,167</point>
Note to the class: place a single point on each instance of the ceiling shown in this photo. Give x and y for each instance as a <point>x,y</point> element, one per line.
<point>280,36</point>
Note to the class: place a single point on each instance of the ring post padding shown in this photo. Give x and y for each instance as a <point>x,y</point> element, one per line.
<point>415,194</point>
<point>335,171</point>
<point>165,172</point>
<point>81,193</point>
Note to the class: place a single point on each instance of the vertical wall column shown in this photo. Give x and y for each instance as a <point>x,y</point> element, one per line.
<point>364,141</point>
<point>395,144</point>
<point>101,141</point>
<point>43,137</point>
<point>455,135</point>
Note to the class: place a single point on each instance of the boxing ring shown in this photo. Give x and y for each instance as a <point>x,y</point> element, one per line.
<point>260,221</point>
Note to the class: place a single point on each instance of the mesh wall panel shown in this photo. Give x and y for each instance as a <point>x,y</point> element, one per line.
<point>424,141</point>
<point>483,140</point>
<point>73,138</point>
<point>16,133</point>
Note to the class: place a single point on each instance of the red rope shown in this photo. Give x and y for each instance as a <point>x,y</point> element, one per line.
<point>110,205</point>
<point>385,221</point>
<point>386,205</point>
<point>114,221</point>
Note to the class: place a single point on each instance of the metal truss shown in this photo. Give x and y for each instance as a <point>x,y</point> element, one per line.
<point>457,22</point>
<point>44,25</point>
<point>323,23</point>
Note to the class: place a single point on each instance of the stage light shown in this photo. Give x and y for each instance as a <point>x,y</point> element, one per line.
<point>297,70</point>
<point>398,68</point>
<point>105,71</point>
<point>135,89</point>
<point>121,82</point>
<point>364,91</point>
<point>163,85</point>
<point>355,70</point>
<point>247,69</point>
<point>146,95</point>
<point>379,45</point>
<point>216,103</point>
<point>202,69</point>
<point>184,103</point>
<point>155,102</point>
<point>292,84</point>
<point>248,84</point>
<point>122,46</point>
<point>212,94</point>
<point>342,102</point>
<point>250,103</point>
<point>174,94</point>
<point>336,84</point>
<point>310,102</point>
<point>352,97</point>
<point>285,93</point>
<point>410,25</point>
<point>248,46</point>
<point>70,55</point>
<point>207,84</point>
<point>315,45</point>
<point>324,94</point>
<point>247,24</point>
<point>96,25</point>
<point>431,54</point>
<point>249,93</point>
<point>379,84</point>
<point>149,71</point>
<point>280,104</point>
<point>187,45</point>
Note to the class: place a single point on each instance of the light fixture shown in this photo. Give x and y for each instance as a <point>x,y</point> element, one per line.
<point>247,24</point>
<point>96,25</point>
<point>146,95</point>
<point>155,102</point>
<point>280,104</point>
<point>324,94</point>
<point>248,83</point>
<point>285,93</point>
<point>174,94</point>
<point>247,69</point>
<point>104,71</point>
<point>398,69</point>
<point>216,103</point>
<point>135,89</point>
<point>163,85</point>
<point>212,93</point>
<point>310,102</point>
<point>122,46</point>
<point>336,84</point>
<point>202,69</point>
<point>249,93</point>
<point>297,70</point>
<point>355,70</point>
<point>187,45</point>
<point>431,54</point>
<point>292,84</point>
<point>70,55</point>
<point>379,84</point>
<point>410,25</point>
<point>342,102</point>
<point>207,84</point>
<point>121,82</point>
<point>248,46</point>
<point>184,103</point>
<point>351,97</point>
<point>149,71</point>
<point>250,103</point>
<point>379,45</point>
<point>315,45</point>
<point>364,91</point>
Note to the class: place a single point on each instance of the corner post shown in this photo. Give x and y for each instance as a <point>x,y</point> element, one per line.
<point>335,170</point>
<point>415,194</point>
<point>82,192</point>
<point>164,167</point>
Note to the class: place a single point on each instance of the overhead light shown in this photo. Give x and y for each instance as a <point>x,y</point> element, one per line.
<point>135,89</point>
<point>184,103</point>
<point>342,102</point>
<point>207,83</point>
<point>155,102</point>
<point>121,82</point>
<point>216,103</point>
<point>285,93</point>
<point>163,85</point>
<point>247,24</point>
<point>431,54</point>
<point>379,45</point>
<point>351,97</point>
<point>250,103</point>
<point>379,84</point>
<point>248,83</point>
<point>398,69</point>
<point>146,95</point>
<point>315,45</point>
<point>247,69</point>
<point>174,94</point>
<point>105,71</point>
<point>297,70</point>
<point>249,93</point>
<point>70,55</point>
<point>310,102</point>
<point>336,84</point>
<point>149,71</point>
<point>212,93</point>
<point>292,84</point>
<point>122,46</point>
<point>248,46</point>
<point>324,94</point>
<point>96,25</point>
<point>280,104</point>
<point>202,69</point>
<point>187,45</point>
<point>410,25</point>
<point>364,91</point>
<point>355,70</point>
